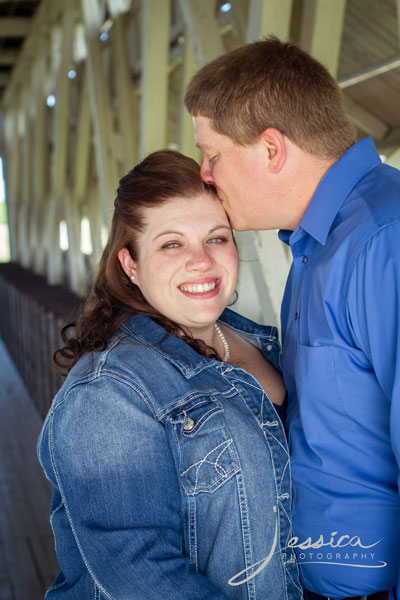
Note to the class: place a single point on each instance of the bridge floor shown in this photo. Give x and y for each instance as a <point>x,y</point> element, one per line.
<point>28,563</point>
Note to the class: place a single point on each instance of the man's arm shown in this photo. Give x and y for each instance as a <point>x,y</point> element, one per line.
<point>374,315</point>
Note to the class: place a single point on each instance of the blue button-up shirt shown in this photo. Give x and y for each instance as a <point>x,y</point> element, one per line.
<point>341,364</point>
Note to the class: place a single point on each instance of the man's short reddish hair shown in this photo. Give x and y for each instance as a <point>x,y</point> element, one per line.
<point>272,84</point>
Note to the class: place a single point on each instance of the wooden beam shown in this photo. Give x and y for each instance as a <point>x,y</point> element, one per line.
<point>25,208</point>
<point>11,171</point>
<point>154,85</point>
<point>394,159</point>
<point>100,103</point>
<point>390,141</point>
<point>40,161</point>
<point>398,19</point>
<point>202,28</point>
<point>78,198</point>
<point>321,31</point>
<point>47,13</point>
<point>269,17</point>
<point>14,27</point>
<point>118,7</point>
<point>96,225</point>
<point>264,260</point>
<point>83,143</point>
<point>8,57</point>
<point>4,79</point>
<point>239,20</point>
<point>370,72</point>
<point>187,143</point>
<point>59,166</point>
<point>126,97</point>
<point>365,120</point>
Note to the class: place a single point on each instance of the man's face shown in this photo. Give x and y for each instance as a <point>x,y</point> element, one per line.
<point>240,175</point>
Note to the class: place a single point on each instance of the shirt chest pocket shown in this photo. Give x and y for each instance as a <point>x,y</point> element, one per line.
<point>207,457</point>
<point>319,371</point>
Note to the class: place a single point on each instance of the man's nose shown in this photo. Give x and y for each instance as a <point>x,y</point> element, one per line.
<point>205,171</point>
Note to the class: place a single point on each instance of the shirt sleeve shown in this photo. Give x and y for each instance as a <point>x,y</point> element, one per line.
<point>374,314</point>
<point>115,471</point>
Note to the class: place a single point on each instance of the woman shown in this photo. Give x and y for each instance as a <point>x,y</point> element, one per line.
<point>168,462</point>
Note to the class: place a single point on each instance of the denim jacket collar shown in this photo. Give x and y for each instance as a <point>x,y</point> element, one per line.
<point>183,356</point>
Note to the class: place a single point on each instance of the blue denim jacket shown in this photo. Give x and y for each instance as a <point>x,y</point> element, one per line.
<point>170,474</point>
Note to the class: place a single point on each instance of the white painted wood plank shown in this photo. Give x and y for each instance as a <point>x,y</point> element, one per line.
<point>321,33</point>
<point>269,17</point>
<point>154,82</point>
<point>100,103</point>
<point>202,29</point>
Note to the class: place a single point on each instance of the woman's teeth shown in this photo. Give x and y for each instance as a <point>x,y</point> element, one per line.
<point>198,288</point>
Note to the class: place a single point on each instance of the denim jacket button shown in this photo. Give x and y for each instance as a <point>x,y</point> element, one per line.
<point>189,424</point>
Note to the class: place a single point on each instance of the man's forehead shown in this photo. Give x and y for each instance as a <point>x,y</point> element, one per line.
<point>203,146</point>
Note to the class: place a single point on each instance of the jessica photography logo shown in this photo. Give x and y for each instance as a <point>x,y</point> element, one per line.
<point>344,550</point>
<point>340,549</point>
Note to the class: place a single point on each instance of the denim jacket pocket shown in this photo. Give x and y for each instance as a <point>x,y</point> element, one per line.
<point>207,456</point>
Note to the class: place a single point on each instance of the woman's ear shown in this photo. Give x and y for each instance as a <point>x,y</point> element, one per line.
<point>128,264</point>
<point>274,142</point>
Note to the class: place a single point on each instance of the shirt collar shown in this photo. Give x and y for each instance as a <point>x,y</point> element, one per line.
<point>334,188</point>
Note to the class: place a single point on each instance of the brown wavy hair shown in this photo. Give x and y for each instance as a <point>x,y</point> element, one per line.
<point>270,83</point>
<point>159,177</point>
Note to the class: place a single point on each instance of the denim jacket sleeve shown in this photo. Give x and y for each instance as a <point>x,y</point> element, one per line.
<point>110,460</point>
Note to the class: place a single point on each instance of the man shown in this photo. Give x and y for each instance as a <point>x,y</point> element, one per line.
<point>280,150</point>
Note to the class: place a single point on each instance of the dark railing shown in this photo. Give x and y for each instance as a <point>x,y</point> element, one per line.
<point>32,313</point>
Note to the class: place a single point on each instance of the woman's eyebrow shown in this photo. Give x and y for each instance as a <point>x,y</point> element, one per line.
<point>167,233</point>
<point>220,227</point>
<point>173,232</point>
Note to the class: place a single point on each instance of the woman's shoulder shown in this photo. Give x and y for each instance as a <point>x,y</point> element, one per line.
<point>141,356</point>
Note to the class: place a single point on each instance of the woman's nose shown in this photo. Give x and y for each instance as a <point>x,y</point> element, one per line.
<point>205,171</point>
<point>200,260</point>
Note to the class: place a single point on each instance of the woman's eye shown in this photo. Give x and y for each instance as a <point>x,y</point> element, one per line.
<point>170,245</point>
<point>213,158</point>
<point>218,240</point>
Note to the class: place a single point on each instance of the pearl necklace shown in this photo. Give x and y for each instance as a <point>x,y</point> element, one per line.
<point>224,342</point>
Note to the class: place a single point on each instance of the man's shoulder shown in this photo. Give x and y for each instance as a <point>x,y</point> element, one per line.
<point>377,195</point>
<point>373,204</point>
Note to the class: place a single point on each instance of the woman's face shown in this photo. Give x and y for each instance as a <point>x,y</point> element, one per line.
<point>187,261</point>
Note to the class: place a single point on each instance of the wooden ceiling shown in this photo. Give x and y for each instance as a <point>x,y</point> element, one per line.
<point>369,62</point>
<point>15,22</point>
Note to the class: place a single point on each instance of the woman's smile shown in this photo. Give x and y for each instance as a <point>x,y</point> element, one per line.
<point>205,289</point>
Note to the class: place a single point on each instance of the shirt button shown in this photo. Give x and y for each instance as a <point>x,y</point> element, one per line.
<point>304,259</point>
<point>189,424</point>
<point>296,316</point>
